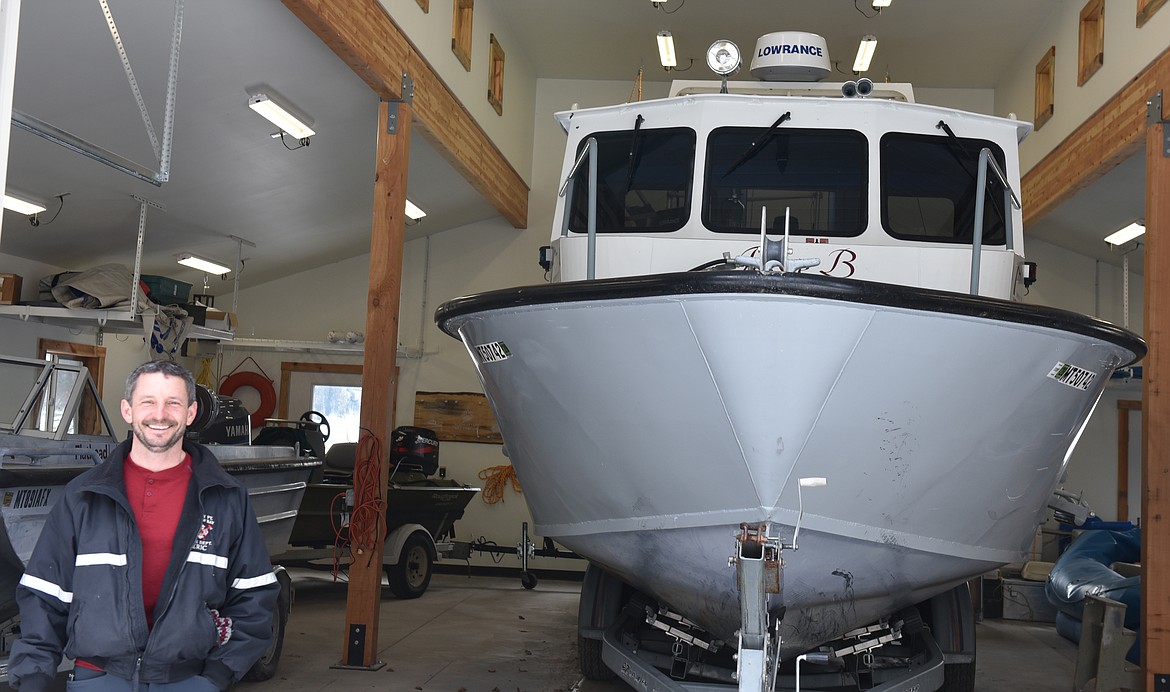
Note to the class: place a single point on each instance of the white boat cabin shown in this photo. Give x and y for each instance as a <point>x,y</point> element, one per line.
<point>877,188</point>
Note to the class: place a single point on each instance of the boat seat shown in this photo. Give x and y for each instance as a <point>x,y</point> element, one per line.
<point>340,458</point>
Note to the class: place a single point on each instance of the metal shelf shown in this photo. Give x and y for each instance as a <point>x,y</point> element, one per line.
<point>119,321</point>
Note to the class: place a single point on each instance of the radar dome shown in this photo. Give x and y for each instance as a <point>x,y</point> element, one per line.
<point>791,56</point>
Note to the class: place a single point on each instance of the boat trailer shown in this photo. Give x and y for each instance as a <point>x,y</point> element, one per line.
<point>526,549</point>
<point>622,633</point>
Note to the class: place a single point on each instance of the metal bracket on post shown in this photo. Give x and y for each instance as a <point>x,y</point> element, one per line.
<point>355,651</point>
<point>407,98</point>
<point>407,89</point>
<point>1154,117</point>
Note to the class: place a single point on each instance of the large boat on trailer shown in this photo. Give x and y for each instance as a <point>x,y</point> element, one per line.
<point>784,329</point>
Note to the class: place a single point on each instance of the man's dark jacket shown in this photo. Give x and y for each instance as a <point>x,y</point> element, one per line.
<point>81,593</point>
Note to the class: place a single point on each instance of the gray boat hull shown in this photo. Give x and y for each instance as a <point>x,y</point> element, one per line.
<point>647,417</point>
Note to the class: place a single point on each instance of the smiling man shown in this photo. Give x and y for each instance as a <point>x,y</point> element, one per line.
<point>151,572</point>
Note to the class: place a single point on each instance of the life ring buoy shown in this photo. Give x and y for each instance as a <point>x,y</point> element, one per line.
<point>263,387</point>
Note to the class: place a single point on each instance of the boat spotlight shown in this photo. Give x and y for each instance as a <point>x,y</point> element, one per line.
<point>723,58</point>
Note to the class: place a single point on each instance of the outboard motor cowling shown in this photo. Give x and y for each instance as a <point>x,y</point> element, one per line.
<point>414,449</point>
<point>219,419</point>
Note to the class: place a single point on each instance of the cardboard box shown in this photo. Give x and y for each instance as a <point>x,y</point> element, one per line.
<point>9,289</point>
<point>220,319</point>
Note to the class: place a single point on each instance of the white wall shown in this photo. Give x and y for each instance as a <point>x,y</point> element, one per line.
<point>1074,282</point>
<point>1128,50</point>
<point>430,32</point>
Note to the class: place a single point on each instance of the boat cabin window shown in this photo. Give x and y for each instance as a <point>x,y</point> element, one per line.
<point>643,181</point>
<point>929,186</point>
<point>820,176</point>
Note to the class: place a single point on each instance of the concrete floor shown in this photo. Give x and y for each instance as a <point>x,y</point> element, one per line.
<point>485,633</point>
<point>473,634</point>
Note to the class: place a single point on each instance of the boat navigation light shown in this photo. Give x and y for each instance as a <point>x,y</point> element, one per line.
<point>723,57</point>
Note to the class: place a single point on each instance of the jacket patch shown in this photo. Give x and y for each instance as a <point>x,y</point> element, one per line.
<point>203,542</point>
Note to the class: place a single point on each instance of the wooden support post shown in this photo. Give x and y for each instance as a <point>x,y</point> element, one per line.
<point>1156,406</point>
<point>378,385</point>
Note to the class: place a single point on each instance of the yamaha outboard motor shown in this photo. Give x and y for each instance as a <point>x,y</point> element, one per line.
<point>414,449</point>
<point>219,419</point>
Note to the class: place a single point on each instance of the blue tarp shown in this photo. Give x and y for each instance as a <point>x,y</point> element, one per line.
<point>1083,570</point>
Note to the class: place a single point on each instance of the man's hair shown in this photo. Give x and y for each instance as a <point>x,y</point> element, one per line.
<point>165,367</point>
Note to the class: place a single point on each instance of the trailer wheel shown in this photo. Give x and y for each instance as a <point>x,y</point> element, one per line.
<point>265,667</point>
<point>959,677</point>
<point>589,656</point>
<point>528,580</point>
<point>412,575</point>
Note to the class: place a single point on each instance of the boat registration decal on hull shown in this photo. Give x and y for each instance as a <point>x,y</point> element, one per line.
<point>27,498</point>
<point>1071,375</point>
<point>493,352</point>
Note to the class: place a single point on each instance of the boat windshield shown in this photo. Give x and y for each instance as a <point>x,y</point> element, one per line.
<point>819,175</point>
<point>929,188</point>
<point>643,181</point>
<point>56,401</point>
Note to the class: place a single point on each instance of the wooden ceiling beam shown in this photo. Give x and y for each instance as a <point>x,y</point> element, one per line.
<point>1113,134</point>
<point>363,35</point>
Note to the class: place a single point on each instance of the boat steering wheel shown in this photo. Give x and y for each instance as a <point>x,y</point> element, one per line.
<point>318,419</point>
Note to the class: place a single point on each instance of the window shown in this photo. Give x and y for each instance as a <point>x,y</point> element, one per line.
<point>1146,9</point>
<point>461,32</point>
<point>1091,53</point>
<point>496,77</point>
<point>342,407</point>
<point>643,181</point>
<point>818,175</point>
<point>1045,88</point>
<point>331,389</point>
<point>929,189</point>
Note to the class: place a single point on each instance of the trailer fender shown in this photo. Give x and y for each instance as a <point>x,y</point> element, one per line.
<point>952,622</point>
<point>392,549</point>
<point>602,598</point>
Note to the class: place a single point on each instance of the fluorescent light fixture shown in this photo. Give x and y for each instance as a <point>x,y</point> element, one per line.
<point>865,53</point>
<point>203,265</point>
<point>413,212</point>
<point>277,115</point>
<point>1130,232</point>
<point>22,206</point>
<point>723,57</point>
<point>666,49</point>
<point>878,4</point>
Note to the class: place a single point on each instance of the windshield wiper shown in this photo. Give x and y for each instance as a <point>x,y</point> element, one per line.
<point>635,141</point>
<point>759,143</point>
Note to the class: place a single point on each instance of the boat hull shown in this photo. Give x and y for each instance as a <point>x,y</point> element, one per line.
<point>435,504</point>
<point>649,416</point>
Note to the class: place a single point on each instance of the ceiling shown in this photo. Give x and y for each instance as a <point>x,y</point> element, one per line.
<point>312,206</point>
